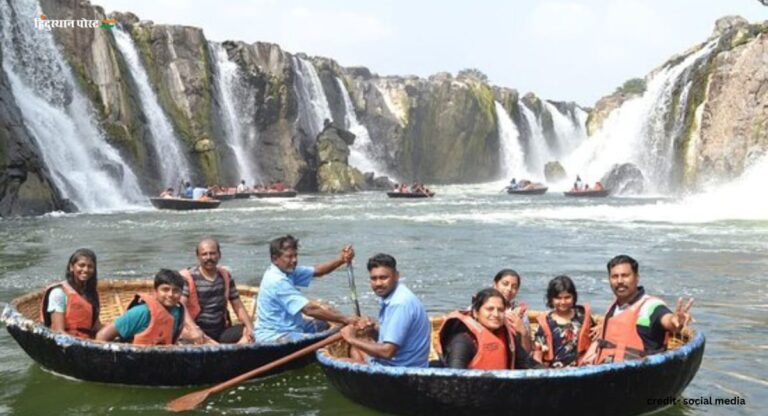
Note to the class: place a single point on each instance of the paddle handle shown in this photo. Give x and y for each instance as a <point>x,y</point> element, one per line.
<point>352,288</point>
<point>263,369</point>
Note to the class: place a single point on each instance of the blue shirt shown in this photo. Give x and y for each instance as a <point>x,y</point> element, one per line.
<point>279,303</point>
<point>136,320</point>
<point>403,321</point>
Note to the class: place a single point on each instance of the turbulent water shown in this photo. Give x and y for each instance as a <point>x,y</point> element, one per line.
<point>447,248</point>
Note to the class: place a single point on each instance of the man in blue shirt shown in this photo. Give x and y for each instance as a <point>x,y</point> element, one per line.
<point>404,328</point>
<point>280,304</point>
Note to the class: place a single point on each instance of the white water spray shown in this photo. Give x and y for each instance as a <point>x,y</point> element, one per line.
<point>361,151</point>
<point>170,157</point>
<point>83,166</point>
<point>313,104</point>
<point>512,157</point>
<point>238,108</point>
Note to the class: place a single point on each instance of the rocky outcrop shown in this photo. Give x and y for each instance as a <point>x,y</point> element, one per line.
<point>624,179</point>
<point>604,107</point>
<point>334,175</point>
<point>728,125</point>
<point>554,172</point>
<point>25,184</point>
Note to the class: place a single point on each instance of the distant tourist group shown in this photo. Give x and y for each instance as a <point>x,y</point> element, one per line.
<point>579,186</point>
<point>199,192</point>
<point>416,188</point>
<point>190,306</point>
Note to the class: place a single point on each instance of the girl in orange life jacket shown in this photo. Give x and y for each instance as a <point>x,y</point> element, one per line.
<point>477,339</point>
<point>72,306</point>
<point>507,281</point>
<point>154,319</point>
<point>563,334</point>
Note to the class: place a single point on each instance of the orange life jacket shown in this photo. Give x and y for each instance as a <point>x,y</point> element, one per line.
<point>79,318</point>
<point>193,302</point>
<point>583,340</point>
<point>493,351</point>
<point>620,333</point>
<point>161,323</point>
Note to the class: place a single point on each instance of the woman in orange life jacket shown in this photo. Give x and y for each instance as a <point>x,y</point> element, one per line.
<point>477,339</point>
<point>72,306</point>
<point>507,281</point>
<point>155,319</point>
<point>563,335</point>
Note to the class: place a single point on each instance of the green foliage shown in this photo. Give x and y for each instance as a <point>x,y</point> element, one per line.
<point>634,86</point>
<point>473,73</point>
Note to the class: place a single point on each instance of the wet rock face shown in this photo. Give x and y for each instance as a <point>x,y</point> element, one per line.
<point>624,179</point>
<point>554,172</point>
<point>334,175</point>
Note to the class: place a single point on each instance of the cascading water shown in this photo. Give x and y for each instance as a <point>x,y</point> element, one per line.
<point>173,165</point>
<point>568,130</point>
<point>313,104</point>
<point>637,132</point>
<point>86,170</point>
<point>360,153</point>
<point>238,106</point>
<point>512,157</point>
<point>538,153</point>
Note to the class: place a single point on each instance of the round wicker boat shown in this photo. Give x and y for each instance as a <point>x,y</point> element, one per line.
<point>608,389</point>
<point>410,195</point>
<point>588,194</point>
<point>275,194</point>
<point>112,362</point>
<point>184,204</point>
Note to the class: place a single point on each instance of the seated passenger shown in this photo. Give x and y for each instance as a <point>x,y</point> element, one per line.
<point>477,339</point>
<point>72,306</point>
<point>151,320</point>
<point>507,282</point>
<point>168,193</point>
<point>563,336</point>
<point>598,186</point>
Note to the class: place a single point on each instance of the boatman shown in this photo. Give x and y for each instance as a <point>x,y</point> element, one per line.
<point>208,289</point>
<point>280,304</point>
<point>636,324</point>
<point>403,329</point>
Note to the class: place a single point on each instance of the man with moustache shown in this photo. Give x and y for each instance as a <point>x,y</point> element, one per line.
<point>403,329</point>
<point>207,290</point>
<point>636,324</point>
<point>280,304</point>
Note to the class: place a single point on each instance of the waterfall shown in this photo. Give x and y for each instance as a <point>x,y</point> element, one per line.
<point>637,132</point>
<point>86,170</point>
<point>173,165</point>
<point>313,105</point>
<point>569,130</point>
<point>238,106</point>
<point>538,153</point>
<point>360,153</point>
<point>512,157</point>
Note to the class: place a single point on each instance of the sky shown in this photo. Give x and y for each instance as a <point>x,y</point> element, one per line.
<point>566,50</point>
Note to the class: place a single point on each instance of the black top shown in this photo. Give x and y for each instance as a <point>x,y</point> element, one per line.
<point>459,348</point>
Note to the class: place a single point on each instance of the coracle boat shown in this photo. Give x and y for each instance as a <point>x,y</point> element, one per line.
<point>532,191</point>
<point>184,204</point>
<point>410,195</point>
<point>275,194</point>
<point>113,362</point>
<point>242,195</point>
<point>588,194</point>
<point>608,389</point>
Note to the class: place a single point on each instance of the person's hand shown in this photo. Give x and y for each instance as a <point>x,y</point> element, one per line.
<point>596,331</point>
<point>348,332</point>
<point>247,337</point>
<point>515,321</point>
<point>681,317</point>
<point>347,254</point>
<point>363,323</point>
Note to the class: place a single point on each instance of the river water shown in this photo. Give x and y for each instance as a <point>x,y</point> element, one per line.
<point>447,248</point>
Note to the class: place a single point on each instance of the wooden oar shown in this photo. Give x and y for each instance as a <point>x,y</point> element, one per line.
<point>192,400</point>
<point>352,289</point>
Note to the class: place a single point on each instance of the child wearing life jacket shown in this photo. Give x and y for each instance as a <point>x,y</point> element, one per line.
<point>563,334</point>
<point>72,306</point>
<point>155,319</point>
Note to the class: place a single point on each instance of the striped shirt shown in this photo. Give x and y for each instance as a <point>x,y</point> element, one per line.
<point>213,307</point>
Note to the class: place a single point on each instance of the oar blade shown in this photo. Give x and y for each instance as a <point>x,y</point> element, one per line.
<point>188,402</point>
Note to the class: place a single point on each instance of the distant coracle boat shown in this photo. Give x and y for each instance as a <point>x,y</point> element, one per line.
<point>410,195</point>
<point>113,362</point>
<point>275,194</point>
<point>588,194</point>
<point>618,389</point>
<point>184,204</point>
